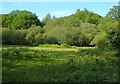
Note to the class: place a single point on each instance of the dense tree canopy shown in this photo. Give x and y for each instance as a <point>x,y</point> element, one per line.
<point>48,18</point>
<point>114,12</point>
<point>87,16</point>
<point>84,28</point>
<point>20,20</point>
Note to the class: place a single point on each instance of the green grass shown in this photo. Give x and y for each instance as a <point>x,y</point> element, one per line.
<point>52,64</point>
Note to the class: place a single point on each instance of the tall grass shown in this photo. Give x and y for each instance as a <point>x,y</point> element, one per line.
<point>34,65</point>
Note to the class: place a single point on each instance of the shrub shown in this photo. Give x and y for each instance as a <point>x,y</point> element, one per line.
<point>89,52</point>
<point>23,53</point>
<point>65,46</point>
<point>50,45</point>
<point>6,33</point>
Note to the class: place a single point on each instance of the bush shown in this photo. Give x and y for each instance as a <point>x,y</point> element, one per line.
<point>51,40</point>
<point>39,39</point>
<point>90,52</point>
<point>100,40</point>
<point>18,37</point>
<point>23,53</point>
<point>50,45</point>
<point>65,46</point>
<point>6,33</point>
<point>34,35</point>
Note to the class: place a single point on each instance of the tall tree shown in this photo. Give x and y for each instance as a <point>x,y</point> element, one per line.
<point>114,12</point>
<point>53,18</point>
<point>47,18</point>
<point>20,19</point>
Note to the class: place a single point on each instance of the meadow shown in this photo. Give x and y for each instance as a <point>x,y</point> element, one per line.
<point>52,49</point>
<point>55,63</point>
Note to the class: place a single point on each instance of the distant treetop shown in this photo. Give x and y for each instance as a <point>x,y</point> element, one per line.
<point>20,19</point>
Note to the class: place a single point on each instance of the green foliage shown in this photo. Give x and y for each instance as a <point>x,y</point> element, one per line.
<point>7,20</point>
<point>54,18</point>
<point>31,36</point>
<point>87,16</point>
<point>50,45</point>
<point>88,32</point>
<point>39,38</point>
<point>0,37</point>
<point>50,40</point>
<point>90,52</point>
<point>20,20</point>
<point>60,62</point>
<point>114,12</point>
<point>23,53</point>
<point>47,18</point>
<point>72,30</point>
<point>100,40</point>
<point>65,46</point>
<point>84,28</point>
<point>34,35</point>
<point>80,36</point>
<point>18,37</point>
<point>5,35</point>
<point>112,33</point>
<point>58,66</point>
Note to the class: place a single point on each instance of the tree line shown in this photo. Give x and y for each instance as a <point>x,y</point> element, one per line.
<point>84,28</point>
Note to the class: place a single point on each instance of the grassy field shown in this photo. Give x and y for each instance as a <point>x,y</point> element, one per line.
<point>58,64</point>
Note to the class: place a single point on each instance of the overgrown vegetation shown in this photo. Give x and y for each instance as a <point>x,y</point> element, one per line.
<point>82,47</point>
<point>23,64</point>
<point>84,28</point>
